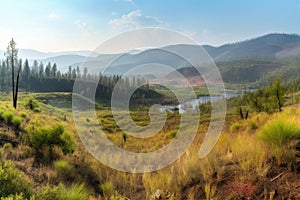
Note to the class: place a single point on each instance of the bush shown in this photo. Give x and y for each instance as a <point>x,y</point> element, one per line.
<point>253,124</point>
<point>63,168</point>
<point>17,121</point>
<point>23,115</point>
<point>171,134</point>
<point>32,104</point>
<point>117,197</point>
<point>235,127</point>
<point>49,137</point>
<point>12,181</point>
<point>15,197</point>
<point>76,192</point>
<point>68,144</point>
<point>106,188</point>
<point>7,116</point>
<point>61,192</point>
<point>278,134</point>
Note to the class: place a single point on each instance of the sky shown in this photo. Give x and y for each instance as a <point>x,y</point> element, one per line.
<point>71,25</point>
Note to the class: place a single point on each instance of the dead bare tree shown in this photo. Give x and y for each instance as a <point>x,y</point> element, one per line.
<point>12,59</point>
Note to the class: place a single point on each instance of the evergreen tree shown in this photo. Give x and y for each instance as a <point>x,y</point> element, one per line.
<point>70,72</point>
<point>54,70</point>
<point>35,69</point>
<point>48,70</point>
<point>74,73</point>
<point>41,70</point>
<point>78,75</point>
<point>85,72</point>
<point>26,74</point>
<point>278,92</point>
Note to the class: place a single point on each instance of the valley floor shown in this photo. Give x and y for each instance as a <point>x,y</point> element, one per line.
<point>241,166</point>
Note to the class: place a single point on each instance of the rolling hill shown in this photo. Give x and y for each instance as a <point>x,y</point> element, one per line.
<point>267,46</point>
<point>240,61</point>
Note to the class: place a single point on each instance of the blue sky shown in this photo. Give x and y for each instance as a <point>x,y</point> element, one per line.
<point>84,24</point>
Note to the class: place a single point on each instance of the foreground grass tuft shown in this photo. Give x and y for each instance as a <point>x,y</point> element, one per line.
<point>278,134</point>
<point>7,116</point>
<point>73,192</point>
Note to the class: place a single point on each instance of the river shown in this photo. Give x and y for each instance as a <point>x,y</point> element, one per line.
<point>200,100</point>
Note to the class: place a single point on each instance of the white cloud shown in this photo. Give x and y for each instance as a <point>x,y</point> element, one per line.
<point>53,15</point>
<point>136,19</point>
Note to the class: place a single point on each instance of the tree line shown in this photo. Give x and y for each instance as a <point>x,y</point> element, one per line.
<point>268,99</point>
<point>39,77</point>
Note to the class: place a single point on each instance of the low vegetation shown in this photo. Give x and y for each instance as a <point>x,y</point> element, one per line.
<point>279,134</point>
<point>13,182</point>
<point>42,157</point>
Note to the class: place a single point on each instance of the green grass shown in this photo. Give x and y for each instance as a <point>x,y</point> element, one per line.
<point>171,134</point>
<point>107,188</point>
<point>17,121</point>
<point>23,114</point>
<point>12,181</point>
<point>238,155</point>
<point>278,134</point>
<point>32,104</point>
<point>73,192</point>
<point>235,127</point>
<point>280,131</point>
<point>63,168</point>
<point>7,116</point>
<point>253,124</point>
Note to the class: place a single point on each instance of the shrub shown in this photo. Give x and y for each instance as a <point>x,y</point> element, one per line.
<point>49,137</point>
<point>106,188</point>
<point>235,127</point>
<point>171,134</point>
<point>7,116</point>
<point>76,192</point>
<point>117,197</point>
<point>6,151</point>
<point>68,144</point>
<point>23,115</point>
<point>32,104</point>
<point>249,154</point>
<point>253,124</point>
<point>73,192</point>
<point>243,190</point>
<point>12,181</point>
<point>17,121</point>
<point>278,134</point>
<point>15,197</point>
<point>49,193</point>
<point>63,168</point>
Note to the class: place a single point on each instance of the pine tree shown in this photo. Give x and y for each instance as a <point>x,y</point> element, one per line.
<point>26,74</point>
<point>48,70</point>
<point>54,70</point>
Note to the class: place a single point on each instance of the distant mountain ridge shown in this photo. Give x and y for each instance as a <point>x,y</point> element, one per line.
<point>273,45</point>
<point>270,46</point>
<point>32,54</point>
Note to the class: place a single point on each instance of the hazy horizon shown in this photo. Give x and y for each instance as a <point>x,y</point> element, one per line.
<point>92,50</point>
<point>57,26</point>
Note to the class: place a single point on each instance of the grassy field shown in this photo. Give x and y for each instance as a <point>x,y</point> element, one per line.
<point>253,159</point>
